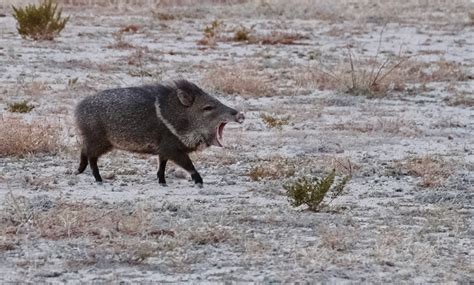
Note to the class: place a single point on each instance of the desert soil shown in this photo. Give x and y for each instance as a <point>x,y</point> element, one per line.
<point>405,216</point>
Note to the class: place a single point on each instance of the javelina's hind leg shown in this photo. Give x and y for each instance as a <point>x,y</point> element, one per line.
<point>83,163</point>
<point>161,172</point>
<point>96,148</point>
<point>95,169</point>
<point>185,162</point>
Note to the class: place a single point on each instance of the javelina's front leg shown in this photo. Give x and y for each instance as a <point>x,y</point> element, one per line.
<point>161,171</point>
<point>185,162</point>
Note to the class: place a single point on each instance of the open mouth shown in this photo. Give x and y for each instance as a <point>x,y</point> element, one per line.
<point>217,140</point>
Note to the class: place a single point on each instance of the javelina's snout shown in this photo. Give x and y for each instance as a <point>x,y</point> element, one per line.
<point>239,117</point>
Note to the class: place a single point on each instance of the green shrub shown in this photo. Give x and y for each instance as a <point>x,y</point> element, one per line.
<point>312,190</point>
<point>39,23</point>
<point>20,107</point>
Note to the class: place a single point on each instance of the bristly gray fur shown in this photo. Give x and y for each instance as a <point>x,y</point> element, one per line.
<point>169,119</point>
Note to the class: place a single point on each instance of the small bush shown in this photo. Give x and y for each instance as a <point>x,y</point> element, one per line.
<point>39,23</point>
<point>312,190</point>
<point>20,107</point>
<point>274,121</point>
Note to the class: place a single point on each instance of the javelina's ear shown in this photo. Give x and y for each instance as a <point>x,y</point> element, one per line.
<point>185,98</point>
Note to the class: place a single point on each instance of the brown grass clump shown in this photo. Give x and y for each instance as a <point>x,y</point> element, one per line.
<point>280,38</point>
<point>242,34</point>
<point>209,236</point>
<point>18,137</point>
<point>432,170</point>
<point>272,121</point>
<point>211,34</point>
<point>371,78</point>
<point>276,168</point>
<point>238,80</point>
<point>20,107</point>
<point>163,16</point>
<point>132,28</point>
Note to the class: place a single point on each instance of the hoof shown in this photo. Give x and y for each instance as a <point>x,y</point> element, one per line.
<point>163,184</point>
<point>199,185</point>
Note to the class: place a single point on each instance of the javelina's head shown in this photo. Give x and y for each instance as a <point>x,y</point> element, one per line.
<point>195,117</point>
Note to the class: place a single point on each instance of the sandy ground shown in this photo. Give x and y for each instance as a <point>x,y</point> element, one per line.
<point>394,222</point>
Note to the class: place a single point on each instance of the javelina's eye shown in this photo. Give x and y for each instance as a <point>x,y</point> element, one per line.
<point>208,108</point>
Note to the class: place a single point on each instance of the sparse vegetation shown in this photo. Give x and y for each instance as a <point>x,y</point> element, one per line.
<point>43,22</point>
<point>375,79</point>
<point>274,169</point>
<point>20,107</point>
<point>242,34</point>
<point>18,137</point>
<point>280,38</point>
<point>272,121</point>
<point>461,99</point>
<point>244,81</point>
<point>119,41</point>
<point>433,171</point>
<point>163,16</point>
<point>211,33</point>
<point>209,236</point>
<point>311,191</point>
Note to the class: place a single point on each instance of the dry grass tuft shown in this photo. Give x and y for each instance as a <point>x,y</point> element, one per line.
<point>433,171</point>
<point>163,16</point>
<point>280,38</point>
<point>244,81</point>
<point>20,107</point>
<point>276,168</point>
<point>242,34</point>
<point>272,121</point>
<point>18,137</point>
<point>132,28</point>
<point>119,41</point>
<point>209,236</point>
<point>211,33</point>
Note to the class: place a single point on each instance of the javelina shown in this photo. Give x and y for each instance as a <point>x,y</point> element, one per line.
<point>168,120</point>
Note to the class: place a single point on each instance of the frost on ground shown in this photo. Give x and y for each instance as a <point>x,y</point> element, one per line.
<point>407,140</point>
